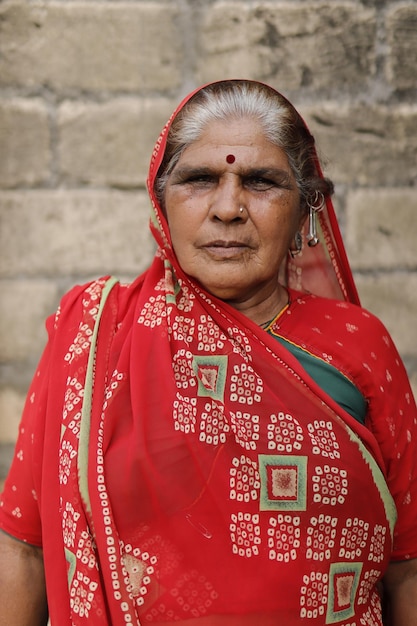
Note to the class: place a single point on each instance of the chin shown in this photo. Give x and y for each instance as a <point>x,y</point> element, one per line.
<point>227,293</point>
<point>230,287</point>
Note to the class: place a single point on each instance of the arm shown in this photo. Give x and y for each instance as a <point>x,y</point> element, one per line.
<point>22,584</point>
<point>400,587</point>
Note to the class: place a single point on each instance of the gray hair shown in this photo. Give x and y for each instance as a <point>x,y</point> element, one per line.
<point>237,99</point>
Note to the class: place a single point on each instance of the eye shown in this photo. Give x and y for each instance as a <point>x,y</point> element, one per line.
<point>267,179</point>
<point>196,178</point>
<point>200,179</point>
<point>259,183</point>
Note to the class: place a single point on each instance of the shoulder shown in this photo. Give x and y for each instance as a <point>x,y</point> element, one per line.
<point>84,300</point>
<point>343,334</point>
<point>331,317</point>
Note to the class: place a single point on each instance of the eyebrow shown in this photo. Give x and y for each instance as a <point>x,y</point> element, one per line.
<point>271,172</point>
<point>186,170</point>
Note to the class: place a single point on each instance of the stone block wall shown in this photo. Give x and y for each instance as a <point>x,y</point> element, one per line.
<point>85,87</point>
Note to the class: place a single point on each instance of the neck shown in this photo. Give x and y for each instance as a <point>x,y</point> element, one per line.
<point>262,308</point>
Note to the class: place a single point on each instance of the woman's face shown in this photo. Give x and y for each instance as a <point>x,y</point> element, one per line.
<point>235,255</point>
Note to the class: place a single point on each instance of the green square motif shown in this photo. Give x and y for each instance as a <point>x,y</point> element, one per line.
<point>283,482</point>
<point>211,375</point>
<point>343,586</point>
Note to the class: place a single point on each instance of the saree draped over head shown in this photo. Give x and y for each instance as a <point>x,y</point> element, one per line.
<point>178,464</point>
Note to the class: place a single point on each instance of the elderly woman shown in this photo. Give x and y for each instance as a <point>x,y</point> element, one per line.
<point>231,439</point>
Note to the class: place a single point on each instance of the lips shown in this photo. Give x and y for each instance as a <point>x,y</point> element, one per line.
<point>225,249</point>
<point>220,243</point>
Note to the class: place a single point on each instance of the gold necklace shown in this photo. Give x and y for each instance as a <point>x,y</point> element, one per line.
<point>269,322</point>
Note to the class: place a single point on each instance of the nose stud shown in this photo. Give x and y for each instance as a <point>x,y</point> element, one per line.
<point>241,209</point>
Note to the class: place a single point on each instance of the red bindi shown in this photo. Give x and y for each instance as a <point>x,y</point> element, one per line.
<point>230,158</point>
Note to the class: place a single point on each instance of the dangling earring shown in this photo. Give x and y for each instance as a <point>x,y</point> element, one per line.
<point>298,240</point>
<point>315,205</point>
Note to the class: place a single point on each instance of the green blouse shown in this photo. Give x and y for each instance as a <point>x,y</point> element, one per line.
<point>333,382</point>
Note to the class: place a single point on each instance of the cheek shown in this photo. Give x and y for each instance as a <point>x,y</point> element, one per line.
<point>178,209</point>
<point>282,224</point>
<point>185,218</point>
<point>178,234</point>
<point>182,232</point>
<point>295,218</point>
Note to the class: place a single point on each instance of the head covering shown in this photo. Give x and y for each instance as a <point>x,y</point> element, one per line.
<point>323,270</point>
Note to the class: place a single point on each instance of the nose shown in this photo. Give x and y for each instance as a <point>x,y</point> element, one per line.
<point>227,203</point>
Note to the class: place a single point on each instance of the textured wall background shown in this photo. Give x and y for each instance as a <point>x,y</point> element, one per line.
<point>85,88</point>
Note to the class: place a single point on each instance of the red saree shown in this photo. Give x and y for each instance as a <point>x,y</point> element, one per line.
<point>177,464</point>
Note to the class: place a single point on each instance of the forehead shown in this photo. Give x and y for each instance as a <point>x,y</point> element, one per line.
<point>244,139</point>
